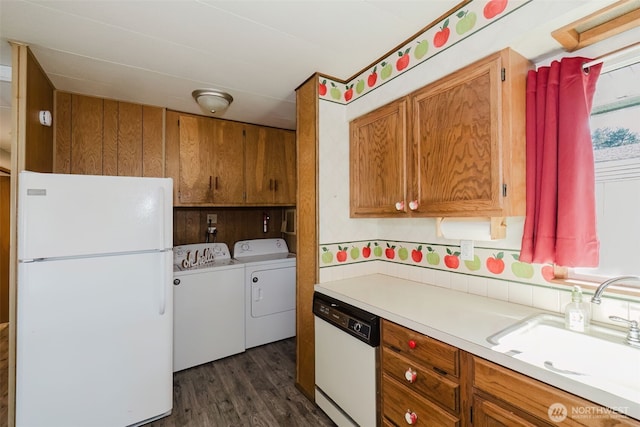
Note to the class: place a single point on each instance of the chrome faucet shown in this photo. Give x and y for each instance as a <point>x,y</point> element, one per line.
<point>607,283</point>
<point>633,335</point>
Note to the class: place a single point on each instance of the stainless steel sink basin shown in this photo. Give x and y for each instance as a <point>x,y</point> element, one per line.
<point>599,358</point>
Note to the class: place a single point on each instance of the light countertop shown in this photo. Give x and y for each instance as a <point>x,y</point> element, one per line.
<point>462,320</point>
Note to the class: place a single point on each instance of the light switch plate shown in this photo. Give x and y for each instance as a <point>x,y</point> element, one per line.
<point>466,250</point>
<point>212,218</point>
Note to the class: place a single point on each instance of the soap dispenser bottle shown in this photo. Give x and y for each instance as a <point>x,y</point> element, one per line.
<point>577,314</point>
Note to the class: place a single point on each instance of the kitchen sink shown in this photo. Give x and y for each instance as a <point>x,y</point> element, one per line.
<point>599,358</point>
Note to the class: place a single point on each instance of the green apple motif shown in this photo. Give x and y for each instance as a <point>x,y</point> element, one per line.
<point>403,253</point>
<point>355,252</point>
<point>335,92</point>
<point>385,73</point>
<point>360,86</point>
<point>421,49</point>
<point>521,269</point>
<point>327,256</point>
<point>377,250</point>
<point>432,256</point>
<point>473,265</point>
<point>466,22</point>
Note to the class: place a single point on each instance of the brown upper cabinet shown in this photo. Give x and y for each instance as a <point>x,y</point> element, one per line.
<point>378,150</point>
<point>217,162</point>
<point>95,136</point>
<point>270,166</point>
<point>465,154</point>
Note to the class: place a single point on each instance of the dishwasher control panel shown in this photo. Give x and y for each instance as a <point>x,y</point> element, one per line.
<point>359,323</point>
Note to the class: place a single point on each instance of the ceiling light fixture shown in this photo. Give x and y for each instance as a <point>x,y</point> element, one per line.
<point>212,101</point>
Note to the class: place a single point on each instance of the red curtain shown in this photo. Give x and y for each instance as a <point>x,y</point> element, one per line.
<point>560,226</point>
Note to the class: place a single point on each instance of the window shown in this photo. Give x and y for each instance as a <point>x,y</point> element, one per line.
<point>615,129</point>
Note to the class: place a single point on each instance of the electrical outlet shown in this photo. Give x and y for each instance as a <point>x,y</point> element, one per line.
<point>212,218</point>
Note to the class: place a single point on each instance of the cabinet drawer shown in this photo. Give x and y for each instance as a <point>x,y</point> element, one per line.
<point>535,397</point>
<point>427,382</point>
<point>397,399</point>
<point>426,351</point>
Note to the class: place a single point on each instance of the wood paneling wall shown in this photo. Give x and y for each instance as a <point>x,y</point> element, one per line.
<point>38,138</point>
<point>307,231</point>
<point>190,225</point>
<point>5,214</point>
<point>96,136</point>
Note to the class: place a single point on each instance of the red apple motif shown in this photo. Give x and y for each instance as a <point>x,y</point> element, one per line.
<point>548,273</point>
<point>494,8</point>
<point>403,60</point>
<point>348,93</point>
<point>442,36</point>
<point>322,88</point>
<point>451,260</point>
<point>390,252</point>
<point>341,255</point>
<point>495,264</point>
<point>371,80</point>
<point>366,251</point>
<point>416,254</point>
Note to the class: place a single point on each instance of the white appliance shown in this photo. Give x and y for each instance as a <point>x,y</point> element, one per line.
<point>94,300</point>
<point>208,303</point>
<point>270,290</point>
<point>346,362</point>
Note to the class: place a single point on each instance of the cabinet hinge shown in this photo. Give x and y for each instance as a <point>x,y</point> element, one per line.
<point>244,132</point>
<point>504,190</point>
<point>471,415</point>
<point>503,74</point>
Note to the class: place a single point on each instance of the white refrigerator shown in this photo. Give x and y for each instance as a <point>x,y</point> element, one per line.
<point>94,300</point>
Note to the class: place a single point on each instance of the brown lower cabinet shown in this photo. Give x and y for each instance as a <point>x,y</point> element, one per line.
<point>440,385</point>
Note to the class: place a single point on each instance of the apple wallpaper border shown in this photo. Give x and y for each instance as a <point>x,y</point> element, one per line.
<point>493,263</point>
<point>460,24</point>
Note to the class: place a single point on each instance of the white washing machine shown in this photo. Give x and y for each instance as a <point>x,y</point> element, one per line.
<point>270,289</point>
<point>208,304</point>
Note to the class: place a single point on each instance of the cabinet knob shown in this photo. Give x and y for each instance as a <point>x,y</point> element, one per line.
<point>410,417</point>
<point>400,205</point>
<point>413,205</point>
<point>410,375</point>
<point>412,344</point>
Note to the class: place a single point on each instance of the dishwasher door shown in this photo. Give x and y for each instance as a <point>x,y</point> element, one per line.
<point>346,375</point>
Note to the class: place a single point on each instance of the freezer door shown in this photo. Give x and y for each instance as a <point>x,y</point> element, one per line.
<point>94,341</point>
<point>76,215</point>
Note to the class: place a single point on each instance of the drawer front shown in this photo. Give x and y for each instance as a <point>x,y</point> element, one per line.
<point>427,382</point>
<point>397,399</point>
<point>426,350</point>
<point>535,397</point>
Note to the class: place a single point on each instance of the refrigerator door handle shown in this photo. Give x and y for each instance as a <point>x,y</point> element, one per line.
<point>165,284</point>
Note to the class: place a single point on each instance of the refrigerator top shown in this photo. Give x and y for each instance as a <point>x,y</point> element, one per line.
<point>86,215</point>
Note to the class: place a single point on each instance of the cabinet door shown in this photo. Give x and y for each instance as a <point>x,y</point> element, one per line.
<point>227,162</point>
<point>378,147</point>
<point>269,166</point>
<point>456,133</point>
<point>195,181</point>
<point>489,414</point>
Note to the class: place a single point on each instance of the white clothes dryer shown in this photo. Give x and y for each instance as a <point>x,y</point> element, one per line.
<point>208,304</point>
<point>270,290</point>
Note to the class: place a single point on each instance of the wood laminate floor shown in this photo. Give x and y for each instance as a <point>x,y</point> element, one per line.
<point>254,388</point>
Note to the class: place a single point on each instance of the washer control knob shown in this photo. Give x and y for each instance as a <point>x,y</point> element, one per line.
<point>254,280</point>
<point>176,282</point>
<point>410,375</point>
<point>412,344</point>
<point>410,417</point>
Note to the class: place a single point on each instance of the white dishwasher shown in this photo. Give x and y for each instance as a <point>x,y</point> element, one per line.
<point>346,362</point>
<point>208,304</point>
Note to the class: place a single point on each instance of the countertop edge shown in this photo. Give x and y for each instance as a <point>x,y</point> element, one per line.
<point>584,391</point>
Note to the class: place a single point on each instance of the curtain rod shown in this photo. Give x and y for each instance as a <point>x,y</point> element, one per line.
<point>613,55</point>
